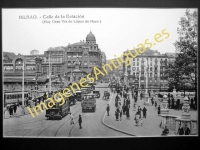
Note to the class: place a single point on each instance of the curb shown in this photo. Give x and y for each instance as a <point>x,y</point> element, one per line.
<point>111,127</point>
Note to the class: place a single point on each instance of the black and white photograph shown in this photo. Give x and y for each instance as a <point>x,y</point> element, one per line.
<point>99,72</point>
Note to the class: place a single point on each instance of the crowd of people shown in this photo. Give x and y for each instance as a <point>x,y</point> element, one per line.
<point>122,107</point>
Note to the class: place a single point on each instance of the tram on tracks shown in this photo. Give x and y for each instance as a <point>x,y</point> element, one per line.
<point>11,97</point>
<point>58,112</point>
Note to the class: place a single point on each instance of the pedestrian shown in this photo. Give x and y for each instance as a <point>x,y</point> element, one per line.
<point>127,113</point>
<point>155,105</point>
<point>144,112</point>
<point>179,130</point>
<point>191,105</point>
<point>184,130</point>
<point>132,94</point>
<point>10,110</point>
<point>141,95</point>
<point>139,111</point>
<point>116,115</point>
<point>152,101</point>
<point>137,119</point>
<point>15,108</point>
<point>23,111</point>
<point>123,108</point>
<point>5,109</point>
<point>80,121</point>
<point>165,131</point>
<point>108,109</point>
<point>71,119</point>
<point>158,109</point>
<point>169,103</point>
<point>120,114</point>
<point>177,104</point>
<point>134,106</point>
<point>195,102</point>
<point>172,103</point>
<point>141,122</point>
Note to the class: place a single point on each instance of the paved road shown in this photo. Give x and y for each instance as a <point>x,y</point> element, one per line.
<point>92,122</point>
<point>40,127</point>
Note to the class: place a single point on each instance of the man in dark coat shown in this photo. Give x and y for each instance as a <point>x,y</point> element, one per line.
<point>172,103</point>
<point>192,105</point>
<point>144,112</point>
<point>116,114</point>
<point>158,109</point>
<point>165,131</point>
<point>108,109</point>
<point>177,104</point>
<point>80,121</point>
<point>127,113</point>
<point>184,131</point>
<point>11,110</point>
<point>139,111</point>
<point>15,108</point>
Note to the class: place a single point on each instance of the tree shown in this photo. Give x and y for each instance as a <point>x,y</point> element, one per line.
<point>184,66</point>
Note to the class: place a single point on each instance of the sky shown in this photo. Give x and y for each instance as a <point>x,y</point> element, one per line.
<point>117,30</point>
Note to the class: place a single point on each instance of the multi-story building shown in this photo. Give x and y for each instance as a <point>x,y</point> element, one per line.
<point>70,62</point>
<point>103,58</point>
<point>154,63</point>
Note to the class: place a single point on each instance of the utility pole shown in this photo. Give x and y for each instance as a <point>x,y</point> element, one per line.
<point>49,75</point>
<point>23,85</point>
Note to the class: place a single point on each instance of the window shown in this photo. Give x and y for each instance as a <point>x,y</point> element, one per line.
<point>150,74</point>
<point>150,59</point>
<point>133,63</point>
<point>137,68</point>
<point>137,63</point>
<point>150,68</point>
<point>137,59</point>
<point>150,63</point>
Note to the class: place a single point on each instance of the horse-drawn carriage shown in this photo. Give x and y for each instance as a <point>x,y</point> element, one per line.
<point>106,95</point>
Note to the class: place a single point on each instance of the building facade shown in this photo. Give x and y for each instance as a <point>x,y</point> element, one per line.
<point>59,61</point>
<point>154,63</point>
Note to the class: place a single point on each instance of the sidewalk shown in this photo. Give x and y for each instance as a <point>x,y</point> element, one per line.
<point>151,123</point>
<point>18,113</point>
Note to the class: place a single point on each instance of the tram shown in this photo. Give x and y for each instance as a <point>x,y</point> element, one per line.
<point>11,97</point>
<point>58,112</point>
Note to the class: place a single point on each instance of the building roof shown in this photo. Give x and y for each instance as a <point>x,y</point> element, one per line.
<point>58,48</point>
<point>78,44</point>
<point>11,55</point>
<point>90,37</point>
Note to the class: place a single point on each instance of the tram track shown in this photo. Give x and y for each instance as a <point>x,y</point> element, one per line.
<point>45,120</point>
<point>65,121</point>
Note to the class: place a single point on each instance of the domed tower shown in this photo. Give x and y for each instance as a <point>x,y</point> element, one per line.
<point>90,39</point>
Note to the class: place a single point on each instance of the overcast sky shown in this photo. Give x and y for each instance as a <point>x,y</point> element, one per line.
<point>120,28</point>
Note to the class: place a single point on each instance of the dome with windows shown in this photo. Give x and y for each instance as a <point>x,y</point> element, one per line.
<point>90,37</point>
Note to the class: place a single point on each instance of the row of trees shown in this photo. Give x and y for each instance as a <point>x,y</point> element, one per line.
<point>183,71</point>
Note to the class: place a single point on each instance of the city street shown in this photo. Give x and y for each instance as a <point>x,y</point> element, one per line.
<point>27,126</point>
<point>95,124</point>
